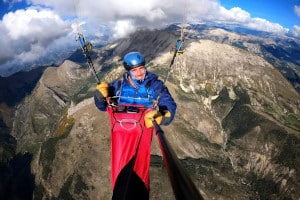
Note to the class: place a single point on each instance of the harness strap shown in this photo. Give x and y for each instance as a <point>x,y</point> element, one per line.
<point>119,88</point>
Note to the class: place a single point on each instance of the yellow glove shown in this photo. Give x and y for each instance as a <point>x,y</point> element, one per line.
<point>103,89</point>
<point>166,113</point>
<point>153,115</point>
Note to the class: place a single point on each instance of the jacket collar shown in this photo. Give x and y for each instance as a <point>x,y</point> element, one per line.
<point>131,82</point>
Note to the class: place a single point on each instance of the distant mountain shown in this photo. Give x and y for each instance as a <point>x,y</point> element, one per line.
<point>14,88</point>
<point>236,130</point>
<point>281,51</point>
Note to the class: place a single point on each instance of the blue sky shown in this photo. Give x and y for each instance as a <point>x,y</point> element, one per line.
<point>276,11</point>
<point>33,29</point>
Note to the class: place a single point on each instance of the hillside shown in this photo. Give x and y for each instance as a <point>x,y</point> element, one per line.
<point>282,52</point>
<point>236,129</point>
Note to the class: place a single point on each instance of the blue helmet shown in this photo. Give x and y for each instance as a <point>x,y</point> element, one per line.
<point>133,60</point>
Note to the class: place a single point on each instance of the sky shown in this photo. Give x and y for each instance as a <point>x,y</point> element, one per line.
<point>32,30</point>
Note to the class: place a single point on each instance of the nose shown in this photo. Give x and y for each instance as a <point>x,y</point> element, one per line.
<point>141,70</point>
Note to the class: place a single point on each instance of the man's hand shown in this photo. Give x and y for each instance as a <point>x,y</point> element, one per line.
<point>103,89</point>
<point>153,115</point>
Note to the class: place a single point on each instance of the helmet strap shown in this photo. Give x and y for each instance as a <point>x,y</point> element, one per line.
<point>129,77</point>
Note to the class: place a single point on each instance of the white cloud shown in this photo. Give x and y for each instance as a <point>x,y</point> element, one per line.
<point>35,52</point>
<point>264,25</point>
<point>6,50</point>
<point>28,34</point>
<point>63,8</point>
<point>235,14</point>
<point>123,28</point>
<point>238,16</point>
<point>297,10</point>
<point>32,32</point>
<point>155,13</point>
<point>133,8</point>
<point>296,31</point>
<point>34,25</point>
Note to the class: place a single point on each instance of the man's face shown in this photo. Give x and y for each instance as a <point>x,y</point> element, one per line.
<point>138,73</point>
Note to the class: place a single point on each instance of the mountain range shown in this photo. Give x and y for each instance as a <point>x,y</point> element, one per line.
<point>236,130</point>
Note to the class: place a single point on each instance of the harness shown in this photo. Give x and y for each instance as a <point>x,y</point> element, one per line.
<point>130,146</point>
<point>148,100</point>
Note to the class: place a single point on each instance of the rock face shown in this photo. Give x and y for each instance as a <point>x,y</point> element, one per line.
<point>236,130</point>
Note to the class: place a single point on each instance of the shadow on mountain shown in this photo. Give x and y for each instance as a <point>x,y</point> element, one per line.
<point>79,57</point>
<point>8,143</point>
<point>16,179</point>
<point>14,88</point>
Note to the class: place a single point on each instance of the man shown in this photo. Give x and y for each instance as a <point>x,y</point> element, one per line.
<point>141,98</point>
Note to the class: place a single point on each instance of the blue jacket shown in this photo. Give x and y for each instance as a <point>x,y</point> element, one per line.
<point>145,93</point>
